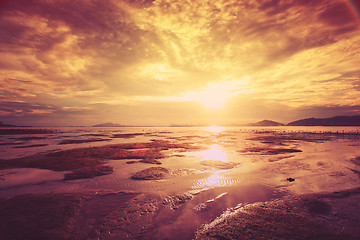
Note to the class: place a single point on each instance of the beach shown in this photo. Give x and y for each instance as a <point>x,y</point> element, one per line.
<point>180,183</point>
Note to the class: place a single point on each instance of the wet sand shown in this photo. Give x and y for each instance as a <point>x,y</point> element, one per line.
<point>184,184</point>
<point>311,216</point>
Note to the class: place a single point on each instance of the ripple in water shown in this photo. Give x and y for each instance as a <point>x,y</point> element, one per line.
<point>215,180</point>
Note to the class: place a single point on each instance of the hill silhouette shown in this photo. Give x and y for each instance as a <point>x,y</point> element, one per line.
<point>334,121</point>
<point>266,123</point>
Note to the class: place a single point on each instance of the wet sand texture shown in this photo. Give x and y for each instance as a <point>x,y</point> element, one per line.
<point>85,216</point>
<point>178,199</point>
<point>147,216</point>
<point>316,216</point>
<point>219,164</point>
<point>75,141</point>
<point>153,173</point>
<point>14,131</point>
<point>89,172</point>
<point>259,222</point>
<point>126,135</point>
<point>89,162</point>
<point>31,146</point>
<point>268,151</point>
<point>35,217</point>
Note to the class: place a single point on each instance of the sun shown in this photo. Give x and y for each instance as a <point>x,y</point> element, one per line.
<point>214,95</point>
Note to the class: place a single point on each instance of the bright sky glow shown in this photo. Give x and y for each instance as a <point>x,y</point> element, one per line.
<point>156,62</point>
<point>215,95</point>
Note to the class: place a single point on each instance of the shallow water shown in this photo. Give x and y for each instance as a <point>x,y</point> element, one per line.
<point>321,166</point>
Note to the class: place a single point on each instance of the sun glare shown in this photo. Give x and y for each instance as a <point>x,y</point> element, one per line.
<point>214,180</point>
<point>215,152</point>
<point>215,95</point>
<point>214,129</point>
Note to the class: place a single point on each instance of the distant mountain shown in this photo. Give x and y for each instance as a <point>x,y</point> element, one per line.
<point>109,124</point>
<point>334,121</point>
<point>266,123</point>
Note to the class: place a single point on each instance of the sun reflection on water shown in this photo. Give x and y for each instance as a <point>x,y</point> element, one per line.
<point>216,179</point>
<point>215,152</point>
<point>214,129</point>
<point>213,155</point>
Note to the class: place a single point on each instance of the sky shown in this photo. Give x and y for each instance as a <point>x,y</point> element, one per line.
<point>163,62</point>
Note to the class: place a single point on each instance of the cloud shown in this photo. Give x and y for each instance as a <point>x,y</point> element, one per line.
<point>338,14</point>
<point>72,54</point>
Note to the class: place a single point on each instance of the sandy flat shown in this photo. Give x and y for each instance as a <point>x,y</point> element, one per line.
<point>195,183</point>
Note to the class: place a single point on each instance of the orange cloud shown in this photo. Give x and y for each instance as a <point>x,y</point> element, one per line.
<point>134,55</point>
